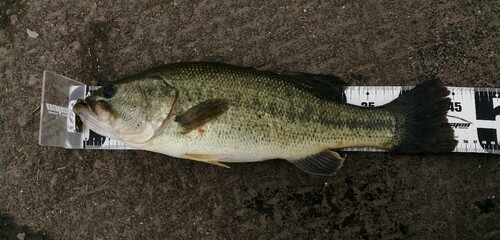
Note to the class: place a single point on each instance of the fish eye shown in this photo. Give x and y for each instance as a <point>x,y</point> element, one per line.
<point>109,91</point>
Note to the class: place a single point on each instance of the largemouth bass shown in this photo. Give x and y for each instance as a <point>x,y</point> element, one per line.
<point>214,113</point>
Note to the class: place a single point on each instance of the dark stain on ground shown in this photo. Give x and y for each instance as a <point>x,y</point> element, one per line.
<point>10,230</point>
<point>4,17</point>
<point>309,204</point>
<point>486,205</point>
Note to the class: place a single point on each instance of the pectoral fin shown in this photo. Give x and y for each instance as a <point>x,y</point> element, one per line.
<point>325,163</point>
<point>202,113</point>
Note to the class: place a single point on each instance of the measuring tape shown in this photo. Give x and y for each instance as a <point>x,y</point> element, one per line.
<point>474,114</point>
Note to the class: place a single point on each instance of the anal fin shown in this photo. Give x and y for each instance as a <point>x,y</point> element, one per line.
<point>325,163</point>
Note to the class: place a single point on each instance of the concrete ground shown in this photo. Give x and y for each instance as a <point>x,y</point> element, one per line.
<point>52,193</point>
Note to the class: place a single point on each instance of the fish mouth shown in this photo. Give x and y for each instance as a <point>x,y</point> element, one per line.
<point>89,112</point>
<point>85,113</point>
<point>80,106</point>
<point>82,109</point>
<point>91,106</point>
<point>84,103</point>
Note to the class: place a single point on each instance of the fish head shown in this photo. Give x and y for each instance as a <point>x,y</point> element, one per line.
<point>131,110</point>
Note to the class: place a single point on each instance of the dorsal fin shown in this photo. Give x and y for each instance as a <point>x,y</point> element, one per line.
<point>325,86</point>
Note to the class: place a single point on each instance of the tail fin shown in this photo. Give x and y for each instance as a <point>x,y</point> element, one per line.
<point>423,126</point>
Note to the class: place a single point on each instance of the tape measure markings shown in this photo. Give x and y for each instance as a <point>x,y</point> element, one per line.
<point>474,114</point>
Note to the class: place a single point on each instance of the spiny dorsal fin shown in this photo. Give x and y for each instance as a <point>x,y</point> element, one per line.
<point>326,86</point>
<point>325,163</point>
<point>202,113</point>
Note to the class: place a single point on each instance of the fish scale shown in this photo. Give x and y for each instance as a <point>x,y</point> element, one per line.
<point>330,117</point>
<point>297,117</point>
